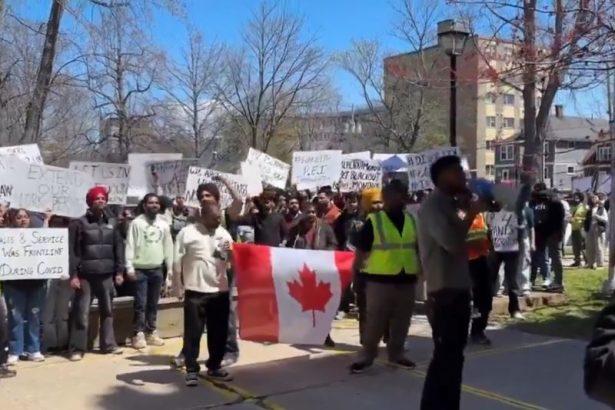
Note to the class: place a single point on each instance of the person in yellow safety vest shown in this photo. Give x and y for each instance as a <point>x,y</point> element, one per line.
<point>479,247</point>
<point>579,213</point>
<point>387,255</point>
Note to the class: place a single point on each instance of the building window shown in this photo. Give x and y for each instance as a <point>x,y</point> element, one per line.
<point>490,170</point>
<point>571,169</point>
<point>489,144</point>
<point>509,99</point>
<point>604,153</point>
<point>507,152</point>
<point>546,173</point>
<point>490,122</point>
<point>545,148</point>
<point>505,175</point>
<point>508,122</point>
<point>491,98</point>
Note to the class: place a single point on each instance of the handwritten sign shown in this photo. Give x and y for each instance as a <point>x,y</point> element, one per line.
<point>33,253</point>
<point>419,164</point>
<point>12,171</point>
<point>272,171</point>
<point>252,177</point>
<point>312,169</point>
<point>171,175</point>
<point>359,174</point>
<point>113,176</point>
<point>139,183</point>
<point>28,153</point>
<point>197,176</point>
<point>504,232</point>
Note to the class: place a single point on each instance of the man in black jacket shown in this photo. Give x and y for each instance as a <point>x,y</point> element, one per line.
<point>96,258</point>
<point>600,359</point>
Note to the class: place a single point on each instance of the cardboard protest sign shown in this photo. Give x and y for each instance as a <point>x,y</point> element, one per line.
<point>197,176</point>
<point>364,155</point>
<point>139,183</point>
<point>113,176</point>
<point>44,187</point>
<point>252,176</point>
<point>359,174</point>
<point>419,164</point>
<point>312,169</point>
<point>29,153</point>
<point>170,176</point>
<point>33,253</point>
<point>272,171</point>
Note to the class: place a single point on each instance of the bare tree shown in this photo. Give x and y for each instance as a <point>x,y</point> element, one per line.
<point>120,70</point>
<point>272,75</point>
<point>191,113</point>
<point>557,44</point>
<point>398,96</point>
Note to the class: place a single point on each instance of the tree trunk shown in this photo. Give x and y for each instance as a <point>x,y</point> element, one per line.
<point>34,110</point>
<point>530,165</point>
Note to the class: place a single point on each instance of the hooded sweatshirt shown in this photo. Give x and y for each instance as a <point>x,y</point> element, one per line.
<point>148,244</point>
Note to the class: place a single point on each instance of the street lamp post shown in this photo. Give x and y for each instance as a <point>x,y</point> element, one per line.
<point>452,36</point>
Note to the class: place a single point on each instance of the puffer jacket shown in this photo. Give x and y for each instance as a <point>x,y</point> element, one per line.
<point>96,246</point>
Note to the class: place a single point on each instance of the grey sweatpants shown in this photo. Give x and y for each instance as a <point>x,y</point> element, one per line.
<point>388,304</point>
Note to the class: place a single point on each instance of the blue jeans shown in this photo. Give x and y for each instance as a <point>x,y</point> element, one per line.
<point>540,264</point>
<point>147,294</point>
<point>24,303</point>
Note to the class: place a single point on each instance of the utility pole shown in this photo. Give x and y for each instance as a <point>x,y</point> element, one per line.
<point>609,284</point>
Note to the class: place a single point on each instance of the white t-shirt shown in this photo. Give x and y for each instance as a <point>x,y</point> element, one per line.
<point>504,232</point>
<point>199,260</point>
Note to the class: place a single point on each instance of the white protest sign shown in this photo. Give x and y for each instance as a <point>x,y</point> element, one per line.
<point>359,174</point>
<point>313,169</point>
<point>419,164</point>
<point>33,253</point>
<point>252,176</point>
<point>43,187</point>
<point>272,171</point>
<point>171,175</point>
<point>504,232</point>
<point>364,155</point>
<point>29,153</point>
<point>113,176</point>
<point>197,176</point>
<point>139,172</point>
<point>12,171</point>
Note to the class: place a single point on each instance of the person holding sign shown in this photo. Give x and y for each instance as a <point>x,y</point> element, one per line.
<point>24,300</point>
<point>96,250</point>
<point>149,248</point>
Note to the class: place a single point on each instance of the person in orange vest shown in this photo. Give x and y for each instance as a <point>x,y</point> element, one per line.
<point>479,247</point>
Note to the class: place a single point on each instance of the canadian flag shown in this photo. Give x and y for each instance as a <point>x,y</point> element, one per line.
<point>288,295</point>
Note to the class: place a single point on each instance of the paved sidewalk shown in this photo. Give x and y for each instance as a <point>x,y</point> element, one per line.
<point>521,371</point>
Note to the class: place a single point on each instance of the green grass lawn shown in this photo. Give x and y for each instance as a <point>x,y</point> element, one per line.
<point>576,319</point>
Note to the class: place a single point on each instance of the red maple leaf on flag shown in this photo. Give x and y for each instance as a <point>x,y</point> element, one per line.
<point>310,295</point>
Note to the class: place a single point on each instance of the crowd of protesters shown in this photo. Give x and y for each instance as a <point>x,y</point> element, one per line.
<point>162,247</point>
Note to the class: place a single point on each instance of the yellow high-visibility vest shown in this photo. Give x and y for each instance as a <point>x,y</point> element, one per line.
<point>392,252</point>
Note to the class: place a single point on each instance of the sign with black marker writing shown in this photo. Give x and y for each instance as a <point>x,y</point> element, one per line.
<point>419,164</point>
<point>197,176</point>
<point>272,171</point>
<point>33,253</point>
<point>170,176</point>
<point>312,169</point>
<point>113,176</point>
<point>358,174</point>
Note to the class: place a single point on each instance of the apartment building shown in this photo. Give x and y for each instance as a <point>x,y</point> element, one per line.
<point>488,109</point>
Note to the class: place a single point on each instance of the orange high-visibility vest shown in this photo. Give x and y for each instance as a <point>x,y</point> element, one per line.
<point>478,238</point>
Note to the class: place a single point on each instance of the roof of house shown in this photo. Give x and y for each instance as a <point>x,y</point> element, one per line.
<point>568,128</point>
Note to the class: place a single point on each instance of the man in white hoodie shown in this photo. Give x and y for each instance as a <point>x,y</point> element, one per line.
<point>149,249</point>
<point>201,258</point>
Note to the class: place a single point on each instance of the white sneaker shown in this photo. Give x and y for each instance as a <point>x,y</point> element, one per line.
<point>12,360</point>
<point>518,316</point>
<point>35,357</point>
<point>138,341</point>
<point>152,339</point>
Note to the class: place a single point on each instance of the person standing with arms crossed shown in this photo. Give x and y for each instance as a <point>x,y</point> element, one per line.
<point>446,217</point>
